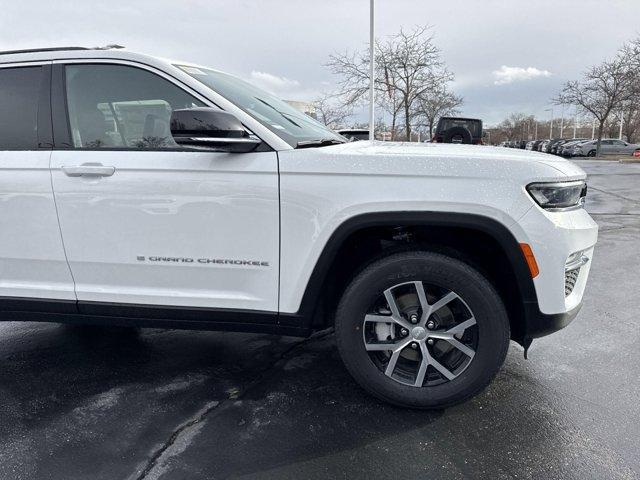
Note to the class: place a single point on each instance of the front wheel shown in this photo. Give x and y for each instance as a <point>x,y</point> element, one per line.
<point>422,330</point>
<point>592,153</point>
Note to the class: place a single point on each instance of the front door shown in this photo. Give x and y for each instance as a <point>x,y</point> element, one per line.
<point>146,222</point>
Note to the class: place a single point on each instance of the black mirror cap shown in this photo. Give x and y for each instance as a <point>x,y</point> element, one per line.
<point>206,122</point>
<point>211,129</point>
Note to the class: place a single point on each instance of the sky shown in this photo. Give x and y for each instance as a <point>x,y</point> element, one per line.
<point>507,55</point>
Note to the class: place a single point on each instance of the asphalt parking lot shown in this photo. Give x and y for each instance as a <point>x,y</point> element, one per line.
<point>100,403</point>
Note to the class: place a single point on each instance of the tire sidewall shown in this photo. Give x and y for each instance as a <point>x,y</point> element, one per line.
<point>433,269</point>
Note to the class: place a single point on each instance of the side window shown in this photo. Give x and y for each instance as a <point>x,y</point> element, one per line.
<point>117,106</point>
<point>19,94</point>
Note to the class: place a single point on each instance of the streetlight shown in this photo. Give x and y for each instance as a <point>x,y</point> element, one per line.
<point>562,121</point>
<point>551,125</point>
<point>371,70</point>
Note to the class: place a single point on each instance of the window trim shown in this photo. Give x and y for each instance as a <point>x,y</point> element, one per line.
<point>62,139</point>
<point>44,131</point>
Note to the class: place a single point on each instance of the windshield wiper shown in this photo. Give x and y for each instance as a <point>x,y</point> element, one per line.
<point>323,142</point>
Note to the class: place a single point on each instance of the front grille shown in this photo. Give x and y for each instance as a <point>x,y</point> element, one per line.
<point>570,279</point>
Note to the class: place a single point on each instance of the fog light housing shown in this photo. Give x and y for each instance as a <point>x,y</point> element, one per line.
<point>572,267</point>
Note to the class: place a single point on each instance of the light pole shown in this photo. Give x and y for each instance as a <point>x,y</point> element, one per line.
<point>551,124</point>
<point>621,123</point>
<point>371,70</point>
<point>562,121</point>
<point>593,129</point>
<point>575,124</point>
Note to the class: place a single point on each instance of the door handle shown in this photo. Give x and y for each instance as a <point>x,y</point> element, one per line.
<point>89,170</point>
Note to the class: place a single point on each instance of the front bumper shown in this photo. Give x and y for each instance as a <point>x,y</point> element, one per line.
<point>563,245</point>
<point>541,324</point>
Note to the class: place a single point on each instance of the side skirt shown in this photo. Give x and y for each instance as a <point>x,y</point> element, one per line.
<point>146,316</point>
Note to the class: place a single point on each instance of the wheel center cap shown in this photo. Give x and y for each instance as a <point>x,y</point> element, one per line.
<point>418,333</point>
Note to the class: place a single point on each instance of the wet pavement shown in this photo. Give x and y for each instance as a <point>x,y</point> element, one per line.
<point>101,403</point>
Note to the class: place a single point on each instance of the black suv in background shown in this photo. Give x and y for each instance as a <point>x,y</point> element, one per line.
<point>458,130</point>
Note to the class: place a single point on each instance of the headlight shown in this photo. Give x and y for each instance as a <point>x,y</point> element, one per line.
<point>560,195</point>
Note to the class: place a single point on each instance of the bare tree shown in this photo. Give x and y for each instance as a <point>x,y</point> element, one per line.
<point>416,67</point>
<point>516,126</point>
<point>434,104</point>
<point>389,99</point>
<point>630,55</point>
<point>630,121</point>
<point>333,113</point>
<point>602,90</point>
<point>408,65</point>
<point>352,70</point>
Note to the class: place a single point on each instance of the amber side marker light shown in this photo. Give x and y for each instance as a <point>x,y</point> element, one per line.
<point>531,260</point>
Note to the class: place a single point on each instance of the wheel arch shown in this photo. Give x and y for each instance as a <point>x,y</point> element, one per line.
<point>522,294</point>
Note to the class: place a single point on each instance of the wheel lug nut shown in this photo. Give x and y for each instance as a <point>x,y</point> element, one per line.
<point>414,318</point>
<point>430,341</point>
<point>414,345</point>
<point>404,332</point>
<point>431,324</point>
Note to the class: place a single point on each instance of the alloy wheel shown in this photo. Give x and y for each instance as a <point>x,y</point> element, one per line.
<point>420,335</point>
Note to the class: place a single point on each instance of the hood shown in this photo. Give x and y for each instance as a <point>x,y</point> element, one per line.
<point>453,160</point>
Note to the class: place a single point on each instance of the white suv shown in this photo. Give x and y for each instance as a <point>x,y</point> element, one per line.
<point>141,191</point>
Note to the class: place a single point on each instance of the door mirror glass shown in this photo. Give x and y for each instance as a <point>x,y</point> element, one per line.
<point>210,128</point>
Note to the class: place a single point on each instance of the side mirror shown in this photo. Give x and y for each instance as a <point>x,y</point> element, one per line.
<point>210,128</point>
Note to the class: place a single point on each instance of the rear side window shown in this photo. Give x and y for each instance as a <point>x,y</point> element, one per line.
<point>19,94</point>
<point>117,106</point>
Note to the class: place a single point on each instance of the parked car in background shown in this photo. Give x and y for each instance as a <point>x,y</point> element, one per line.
<point>543,146</point>
<point>354,134</point>
<point>533,145</point>
<point>608,146</point>
<point>555,148</point>
<point>552,143</point>
<point>458,130</point>
<point>567,148</point>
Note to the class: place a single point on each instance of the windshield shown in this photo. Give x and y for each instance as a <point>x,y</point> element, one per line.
<point>290,124</point>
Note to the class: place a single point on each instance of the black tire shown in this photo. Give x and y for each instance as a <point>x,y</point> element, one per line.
<point>592,153</point>
<point>433,269</point>
<point>459,134</point>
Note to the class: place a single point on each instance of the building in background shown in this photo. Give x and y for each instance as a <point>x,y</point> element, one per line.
<point>304,107</point>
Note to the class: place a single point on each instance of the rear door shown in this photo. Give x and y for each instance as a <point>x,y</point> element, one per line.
<point>32,259</point>
<point>621,147</point>
<point>146,222</point>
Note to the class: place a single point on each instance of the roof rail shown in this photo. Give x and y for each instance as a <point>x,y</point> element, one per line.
<point>111,46</point>
<point>60,49</point>
<point>33,50</point>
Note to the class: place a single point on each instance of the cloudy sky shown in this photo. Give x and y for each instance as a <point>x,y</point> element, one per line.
<point>507,55</point>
